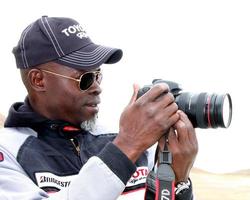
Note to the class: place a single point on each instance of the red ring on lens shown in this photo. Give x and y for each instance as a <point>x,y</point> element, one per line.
<point>208,111</point>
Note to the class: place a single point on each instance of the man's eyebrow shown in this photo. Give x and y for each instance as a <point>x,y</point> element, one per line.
<point>79,73</point>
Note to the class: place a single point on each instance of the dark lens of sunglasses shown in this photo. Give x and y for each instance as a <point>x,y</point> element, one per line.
<point>87,80</point>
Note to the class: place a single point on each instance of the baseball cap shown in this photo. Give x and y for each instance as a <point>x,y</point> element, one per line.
<point>64,41</point>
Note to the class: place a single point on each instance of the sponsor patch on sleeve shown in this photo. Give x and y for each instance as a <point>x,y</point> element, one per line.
<point>49,181</point>
<point>138,177</point>
<point>137,180</point>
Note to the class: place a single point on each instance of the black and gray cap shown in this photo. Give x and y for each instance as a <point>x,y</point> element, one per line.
<point>64,41</point>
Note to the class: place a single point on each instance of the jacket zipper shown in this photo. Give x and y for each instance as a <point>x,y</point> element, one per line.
<point>76,145</point>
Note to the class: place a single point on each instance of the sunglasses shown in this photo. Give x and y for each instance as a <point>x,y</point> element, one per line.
<point>85,80</point>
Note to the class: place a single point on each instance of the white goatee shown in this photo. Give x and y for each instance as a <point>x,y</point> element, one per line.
<point>89,125</point>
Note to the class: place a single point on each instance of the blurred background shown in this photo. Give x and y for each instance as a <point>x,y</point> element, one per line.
<point>203,45</point>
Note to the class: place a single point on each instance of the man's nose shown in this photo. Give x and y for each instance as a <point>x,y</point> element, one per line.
<point>95,88</point>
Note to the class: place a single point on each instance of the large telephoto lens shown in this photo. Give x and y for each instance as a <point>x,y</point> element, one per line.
<point>206,110</point>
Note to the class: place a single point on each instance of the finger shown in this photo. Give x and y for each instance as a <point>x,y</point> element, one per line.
<point>135,93</point>
<point>162,142</point>
<point>166,99</point>
<point>168,115</point>
<point>182,132</point>
<point>183,127</point>
<point>190,129</point>
<point>164,106</point>
<point>172,135</point>
<point>172,140</point>
<point>185,119</point>
<point>155,92</point>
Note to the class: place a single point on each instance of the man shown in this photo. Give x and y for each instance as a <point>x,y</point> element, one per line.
<point>48,149</point>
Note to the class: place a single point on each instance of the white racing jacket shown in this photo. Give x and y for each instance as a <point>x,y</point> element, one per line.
<point>44,159</point>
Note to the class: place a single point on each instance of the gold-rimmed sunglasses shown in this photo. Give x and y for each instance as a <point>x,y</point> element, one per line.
<point>85,80</point>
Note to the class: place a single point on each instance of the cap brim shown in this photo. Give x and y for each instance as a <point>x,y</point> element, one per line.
<point>91,57</point>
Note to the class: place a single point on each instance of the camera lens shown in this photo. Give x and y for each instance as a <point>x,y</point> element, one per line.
<point>223,111</point>
<point>206,110</point>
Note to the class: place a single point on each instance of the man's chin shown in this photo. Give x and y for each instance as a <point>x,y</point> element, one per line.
<point>89,125</point>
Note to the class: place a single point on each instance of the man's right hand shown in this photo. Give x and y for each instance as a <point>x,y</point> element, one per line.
<point>145,120</point>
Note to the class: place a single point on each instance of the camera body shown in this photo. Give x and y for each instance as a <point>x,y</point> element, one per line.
<point>203,110</point>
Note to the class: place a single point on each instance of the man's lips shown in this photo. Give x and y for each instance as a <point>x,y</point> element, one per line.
<point>93,104</point>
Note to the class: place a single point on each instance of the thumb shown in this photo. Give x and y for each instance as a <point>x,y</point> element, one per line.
<point>172,137</point>
<point>134,96</point>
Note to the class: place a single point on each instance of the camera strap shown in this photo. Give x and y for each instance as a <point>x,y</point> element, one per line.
<point>160,183</point>
<point>165,178</point>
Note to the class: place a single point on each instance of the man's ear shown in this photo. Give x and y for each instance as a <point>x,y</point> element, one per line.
<point>36,80</point>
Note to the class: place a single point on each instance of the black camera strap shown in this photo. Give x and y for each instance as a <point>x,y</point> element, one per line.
<point>160,185</point>
<point>165,177</point>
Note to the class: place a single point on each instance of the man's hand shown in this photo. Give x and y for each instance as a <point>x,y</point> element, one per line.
<point>183,145</point>
<point>145,120</point>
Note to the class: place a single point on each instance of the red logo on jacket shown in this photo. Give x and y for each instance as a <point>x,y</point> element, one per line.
<point>1,157</point>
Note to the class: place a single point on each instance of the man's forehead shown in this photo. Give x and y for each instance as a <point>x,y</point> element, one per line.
<point>60,67</point>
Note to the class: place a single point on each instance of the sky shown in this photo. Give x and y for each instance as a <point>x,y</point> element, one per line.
<point>203,45</point>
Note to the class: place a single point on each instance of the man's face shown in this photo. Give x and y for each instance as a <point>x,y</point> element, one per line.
<point>65,100</point>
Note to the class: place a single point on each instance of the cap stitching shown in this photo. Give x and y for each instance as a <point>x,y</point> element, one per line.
<point>83,54</point>
<point>75,62</point>
<point>24,57</point>
<point>92,52</point>
<point>50,37</point>
<point>54,37</point>
<point>90,60</point>
<point>88,57</point>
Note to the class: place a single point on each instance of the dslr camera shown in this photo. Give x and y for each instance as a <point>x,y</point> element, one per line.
<point>203,110</point>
